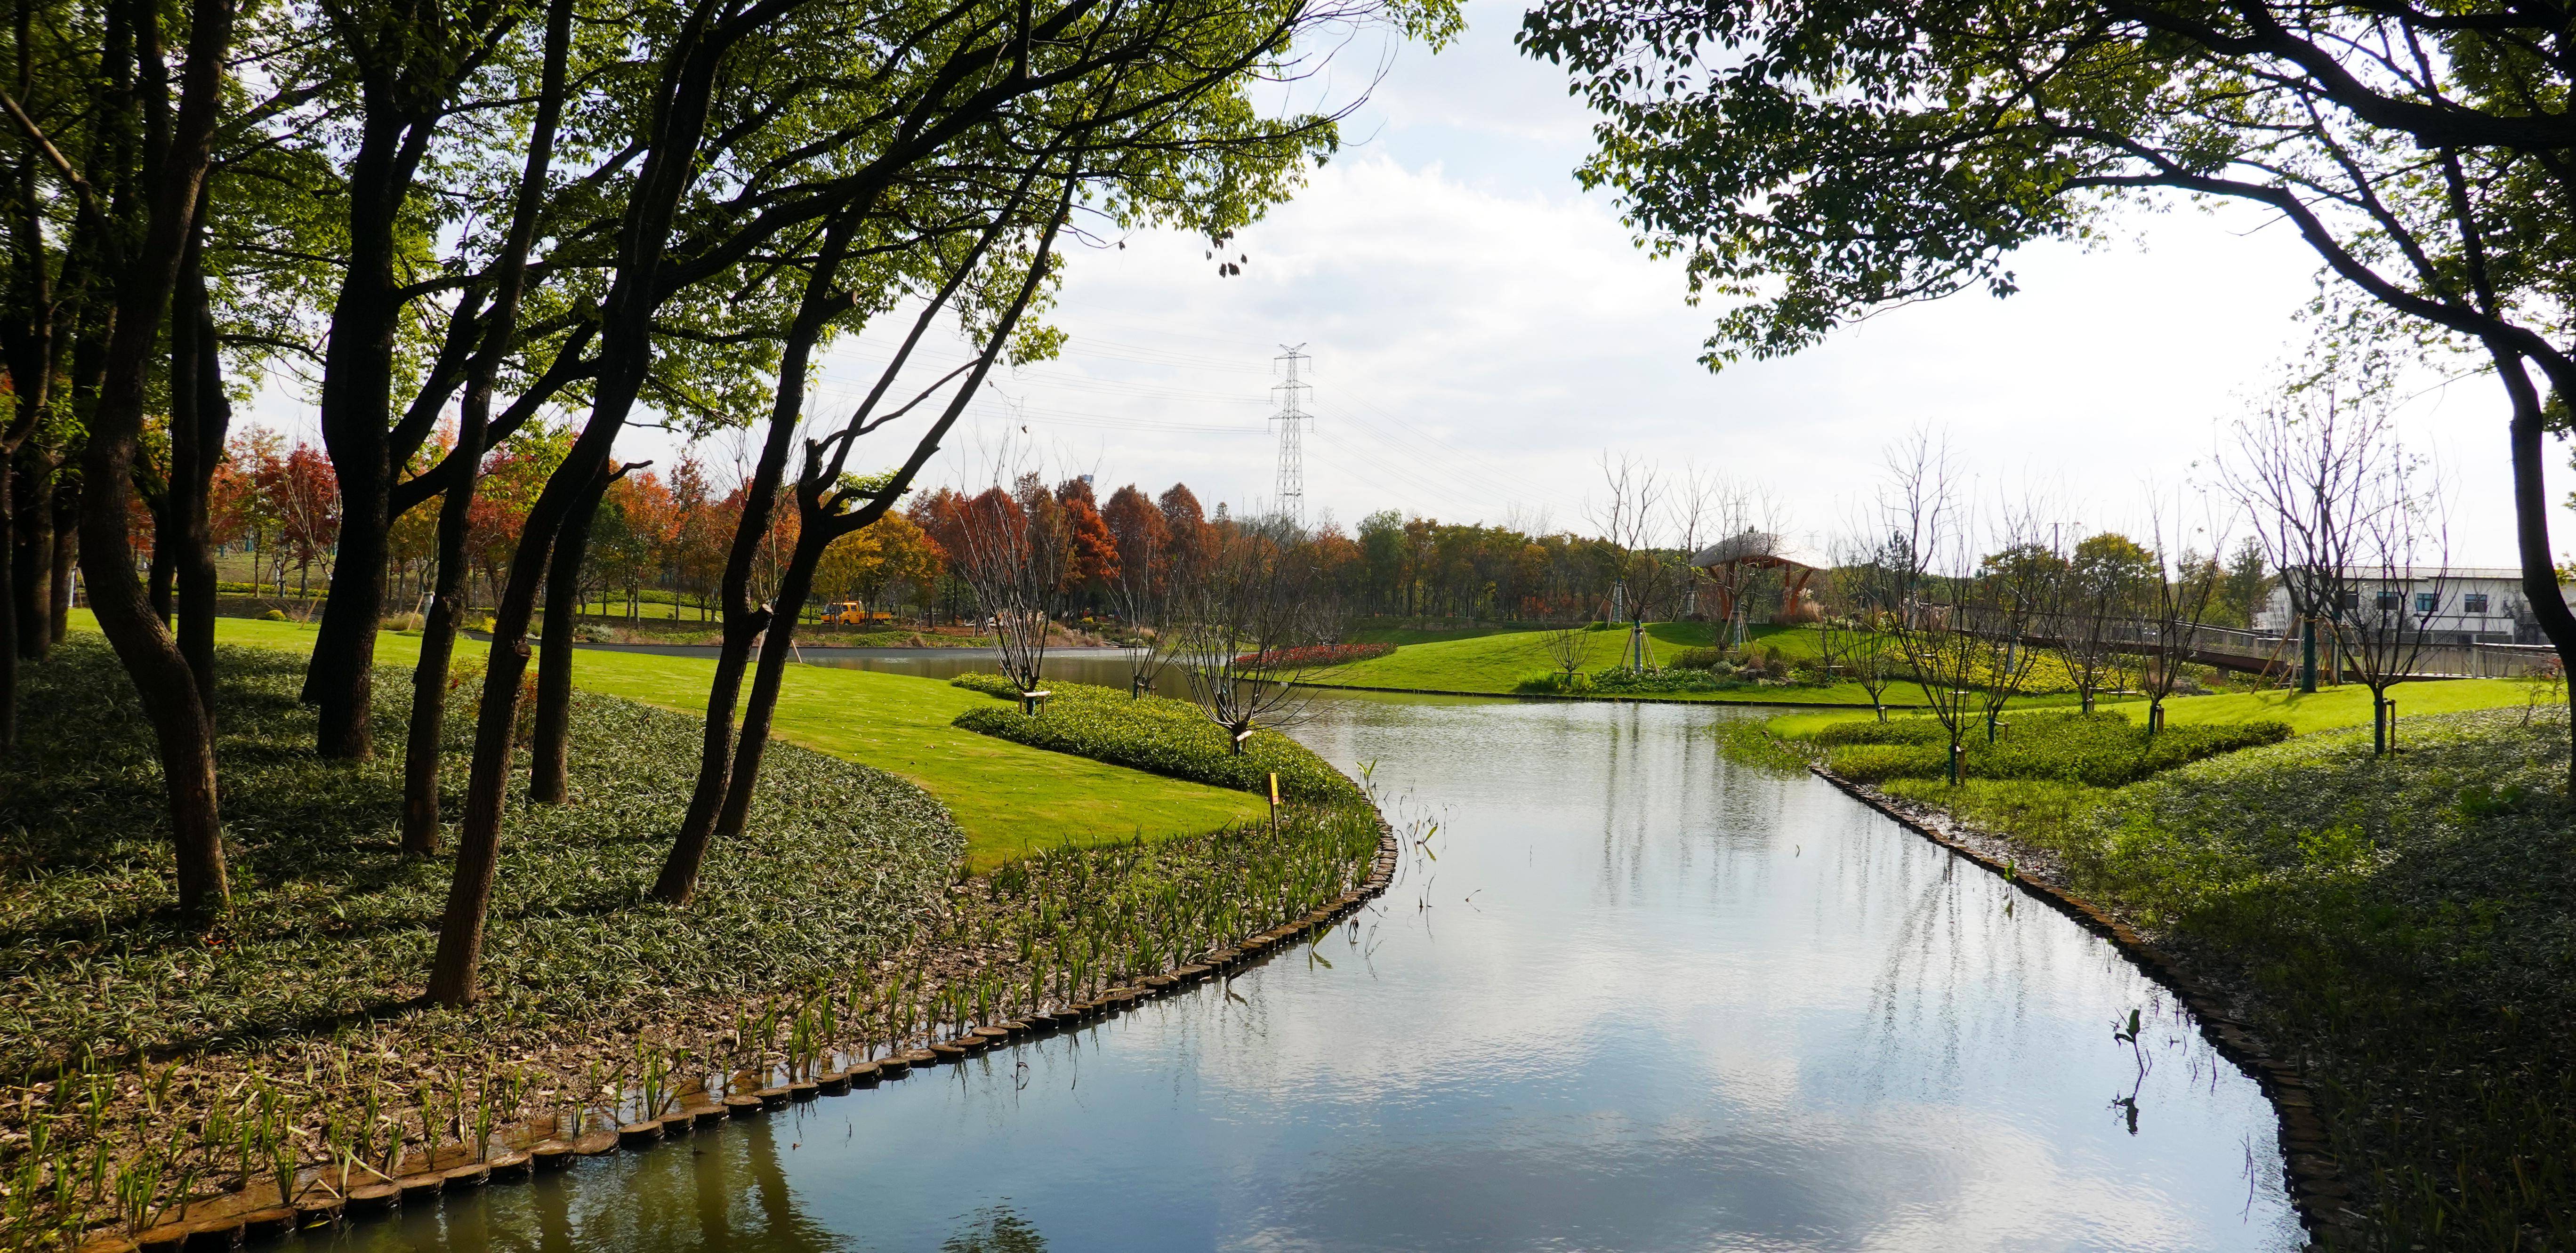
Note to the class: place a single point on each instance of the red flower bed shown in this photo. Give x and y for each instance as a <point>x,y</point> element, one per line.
<point>1313,655</point>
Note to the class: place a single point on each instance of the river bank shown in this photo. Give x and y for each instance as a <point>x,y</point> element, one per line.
<point>283,1055</point>
<point>2397,929</point>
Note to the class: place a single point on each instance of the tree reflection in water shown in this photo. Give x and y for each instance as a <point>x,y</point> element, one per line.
<point>994,1229</point>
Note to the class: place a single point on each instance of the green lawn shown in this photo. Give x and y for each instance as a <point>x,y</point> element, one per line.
<point>2326,709</point>
<point>1498,661</point>
<point>1009,798</point>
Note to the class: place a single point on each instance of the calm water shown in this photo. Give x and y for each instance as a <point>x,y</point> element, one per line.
<point>1624,996</point>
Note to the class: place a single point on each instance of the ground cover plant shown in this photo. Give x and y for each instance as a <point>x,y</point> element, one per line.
<point>2404,927</point>
<point>284,1054</point>
<point>1155,733</point>
<point>2097,749</point>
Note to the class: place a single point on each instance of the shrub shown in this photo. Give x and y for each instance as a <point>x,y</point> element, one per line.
<point>1651,682</point>
<point>1313,655</point>
<point>988,683</point>
<point>1554,682</point>
<point>1699,658</point>
<point>594,633</point>
<point>2101,750</point>
<point>1156,734</point>
<point>273,615</point>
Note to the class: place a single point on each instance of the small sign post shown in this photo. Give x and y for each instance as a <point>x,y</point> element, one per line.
<point>1274,804</point>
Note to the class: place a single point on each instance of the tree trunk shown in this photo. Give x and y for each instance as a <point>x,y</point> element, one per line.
<point>550,761</point>
<point>356,410</point>
<point>8,627</point>
<point>2531,504</point>
<point>184,735</point>
<point>775,648</point>
<point>200,415</point>
<point>716,765</point>
<point>66,558</point>
<point>31,553</point>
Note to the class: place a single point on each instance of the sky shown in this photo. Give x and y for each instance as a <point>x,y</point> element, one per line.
<point>1480,333</point>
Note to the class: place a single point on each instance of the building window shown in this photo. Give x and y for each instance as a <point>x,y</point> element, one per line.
<point>2427,602</point>
<point>2352,600</point>
<point>2391,602</point>
<point>2473,602</point>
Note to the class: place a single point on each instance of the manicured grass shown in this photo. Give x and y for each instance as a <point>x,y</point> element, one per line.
<point>2403,925</point>
<point>1496,663</point>
<point>1010,799</point>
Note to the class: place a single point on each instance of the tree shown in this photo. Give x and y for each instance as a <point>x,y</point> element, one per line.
<point>1876,153</point>
<point>143,233</point>
<point>1631,516</point>
<point>1011,551</point>
<point>1250,622</point>
<point>1142,588</point>
<point>2184,587</point>
<point>2105,578</point>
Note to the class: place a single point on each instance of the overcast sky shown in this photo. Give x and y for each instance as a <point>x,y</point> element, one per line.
<point>1481,332</point>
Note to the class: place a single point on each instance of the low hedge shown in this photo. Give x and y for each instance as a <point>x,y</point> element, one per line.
<point>2100,749</point>
<point>1155,734</point>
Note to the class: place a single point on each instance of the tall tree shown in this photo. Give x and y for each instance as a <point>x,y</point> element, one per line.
<point>145,238</point>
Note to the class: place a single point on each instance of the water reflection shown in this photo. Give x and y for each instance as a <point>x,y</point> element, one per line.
<point>1625,996</point>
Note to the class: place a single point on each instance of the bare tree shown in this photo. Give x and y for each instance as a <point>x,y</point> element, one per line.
<point>2184,587</point>
<point>1013,560</point>
<point>2016,589</point>
<point>1926,557</point>
<point>1250,623</point>
<point>2344,515</point>
<point>1856,631</point>
<point>2403,548</point>
<point>1632,521</point>
<point>1148,568</point>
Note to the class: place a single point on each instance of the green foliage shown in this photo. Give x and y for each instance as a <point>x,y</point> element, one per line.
<point>2100,750</point>
<point>1699,658</point>
<point>1152,733</point>
<point>988,683</point>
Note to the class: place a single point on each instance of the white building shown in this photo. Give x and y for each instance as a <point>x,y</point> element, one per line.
<point>2470,605</point>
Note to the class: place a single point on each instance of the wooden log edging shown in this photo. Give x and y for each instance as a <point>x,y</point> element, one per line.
<point>2314,1178</point>
<point>226,1221</point>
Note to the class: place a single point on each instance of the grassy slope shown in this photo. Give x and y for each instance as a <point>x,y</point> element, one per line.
<point>1009,798</point>
<point>2406,924</point>
<point>1498,662</point>
<point>2325,709</point>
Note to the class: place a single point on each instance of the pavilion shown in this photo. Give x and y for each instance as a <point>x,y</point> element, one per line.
<point>1728,560</point>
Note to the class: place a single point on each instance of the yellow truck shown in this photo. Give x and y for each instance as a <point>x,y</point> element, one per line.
<point>852,613</point>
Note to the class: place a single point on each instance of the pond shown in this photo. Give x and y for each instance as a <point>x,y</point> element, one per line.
<point>1623,994</point>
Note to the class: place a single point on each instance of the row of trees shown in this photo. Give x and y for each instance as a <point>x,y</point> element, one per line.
<point>480,213</point>
<point>1962,597</point>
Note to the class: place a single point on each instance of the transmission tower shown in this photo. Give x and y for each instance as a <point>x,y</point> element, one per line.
<point>1292,419</point>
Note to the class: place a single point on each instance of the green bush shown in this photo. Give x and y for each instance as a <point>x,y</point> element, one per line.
<point>1152,733</point>
<point>2101,749</point>
<point>1699,658</point>
<point>274,615</point>
<point>988,683</point>
<point>1652,682</point>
